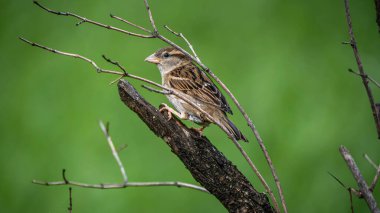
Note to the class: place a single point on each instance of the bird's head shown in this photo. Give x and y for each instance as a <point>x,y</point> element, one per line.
<point>168,58</point>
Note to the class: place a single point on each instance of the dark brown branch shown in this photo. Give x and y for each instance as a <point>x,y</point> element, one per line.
<point>363,187</point>
<point>207,165</point>
<point>361,69</point>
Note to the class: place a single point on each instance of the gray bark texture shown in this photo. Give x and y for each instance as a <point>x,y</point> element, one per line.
<point>206,164</point>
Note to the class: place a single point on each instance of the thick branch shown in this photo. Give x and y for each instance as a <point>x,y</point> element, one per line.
<point>207,165</point>
<point>363,187</point>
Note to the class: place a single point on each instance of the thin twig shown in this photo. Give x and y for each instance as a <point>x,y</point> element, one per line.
<point>98,69</point>
<point>350,189</point>
<point>375,180</point>
<point>156,91</point>
<point>155,30</point>
<point>371,161</point>
<point>83,20</point>
<point>351,203</point>
<point>130,23</point>
<point>113,150</point>
<point>185,39</point>
<point>121,185</point>
<point>377,175</point>
<point>70,208</point>
<point>115,63</point>
<point>361,69</point>
<point>367,194</point>
<point>365,76</point>
<point>125,184</point>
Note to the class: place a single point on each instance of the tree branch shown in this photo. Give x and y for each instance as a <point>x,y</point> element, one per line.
<point>206,164</point>
<point>377,175</point>
<point>365,76</point>
<point>70,208</point>
<point>363,187</point>
<point>83,20</point>
<point>361,69</point>
<point>125,184</point>
<point>105,131</point>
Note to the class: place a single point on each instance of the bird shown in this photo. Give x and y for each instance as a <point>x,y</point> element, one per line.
<point>180,74</point>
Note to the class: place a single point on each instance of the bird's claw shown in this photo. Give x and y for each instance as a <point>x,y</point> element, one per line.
<point>164,107</point>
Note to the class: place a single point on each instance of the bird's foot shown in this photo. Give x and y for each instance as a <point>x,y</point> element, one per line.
<point>171,111</point>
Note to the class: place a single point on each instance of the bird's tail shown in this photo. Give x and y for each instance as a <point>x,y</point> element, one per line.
<point>232,129</point>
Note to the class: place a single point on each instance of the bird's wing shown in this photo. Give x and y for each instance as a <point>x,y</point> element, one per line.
<point>190,80</point>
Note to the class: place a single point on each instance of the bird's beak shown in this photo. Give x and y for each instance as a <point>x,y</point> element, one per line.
<point>152,59</point>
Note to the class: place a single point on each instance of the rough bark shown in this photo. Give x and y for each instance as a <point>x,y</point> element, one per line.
<point>207,165</point>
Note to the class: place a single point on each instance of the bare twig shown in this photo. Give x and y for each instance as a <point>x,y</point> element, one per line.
<point>361,69</point>
<point>155,30</point>
<point>365,76</point>
<point>371,161</point>
<point>83,20</point>
<point>70,208</point>
<point>130,23</point>
<point>157,91</point>
<point>185,39</point>
<point>377,175</point>
<point>120,185</point>
<point>363,187</point>
<point>116,63</point>
<point>375,180</point>
<point>113,150</point>
<point>351,203</point>
<point>116,185</point>
<point>98,69</point>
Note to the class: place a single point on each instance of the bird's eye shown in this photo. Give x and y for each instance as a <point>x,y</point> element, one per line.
<point>166,55</point>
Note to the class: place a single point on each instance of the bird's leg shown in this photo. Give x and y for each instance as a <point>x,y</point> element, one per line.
<point>200,130</point>
<point>182,115</point>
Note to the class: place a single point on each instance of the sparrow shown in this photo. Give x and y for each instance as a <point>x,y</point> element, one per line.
<point>180,74</point>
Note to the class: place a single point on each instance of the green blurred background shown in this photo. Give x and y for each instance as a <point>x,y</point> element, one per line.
<point>284,61</point>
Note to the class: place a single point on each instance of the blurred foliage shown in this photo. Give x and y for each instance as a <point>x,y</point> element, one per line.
<point>283,60</point>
